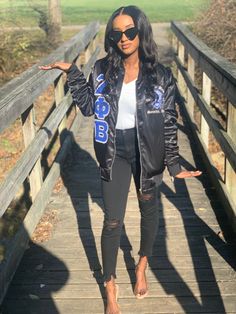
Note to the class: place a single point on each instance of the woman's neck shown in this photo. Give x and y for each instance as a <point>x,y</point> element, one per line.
<point>131,61</point>
<point>131,65</point>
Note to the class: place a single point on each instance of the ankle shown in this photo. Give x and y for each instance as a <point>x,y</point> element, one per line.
<point>142,264</point>
<point>110,286</point>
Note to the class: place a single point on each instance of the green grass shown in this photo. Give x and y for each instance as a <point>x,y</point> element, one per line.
<point>83,11</point>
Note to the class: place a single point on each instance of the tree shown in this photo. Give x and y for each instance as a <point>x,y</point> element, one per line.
<point>54,18</point>
<point>49,19</point>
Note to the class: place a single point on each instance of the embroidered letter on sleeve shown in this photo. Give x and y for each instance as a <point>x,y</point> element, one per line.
<point>102,109</point>
<point>101,131</point>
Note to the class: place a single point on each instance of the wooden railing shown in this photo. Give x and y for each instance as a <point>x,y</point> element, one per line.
<point>17,100</point>
<point>191,54</point>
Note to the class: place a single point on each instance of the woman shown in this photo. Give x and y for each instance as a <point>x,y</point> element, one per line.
<point>133,99</point>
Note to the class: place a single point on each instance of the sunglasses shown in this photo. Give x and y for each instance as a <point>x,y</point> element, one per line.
<point>130,33</point>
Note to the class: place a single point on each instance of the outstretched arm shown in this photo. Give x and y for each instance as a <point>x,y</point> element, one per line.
<point>170,130</point>
<point>81,90</point>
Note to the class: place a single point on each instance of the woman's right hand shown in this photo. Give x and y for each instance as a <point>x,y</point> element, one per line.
<point>56,65</point>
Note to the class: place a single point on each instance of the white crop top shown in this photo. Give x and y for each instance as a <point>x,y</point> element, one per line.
<point>127,106</point>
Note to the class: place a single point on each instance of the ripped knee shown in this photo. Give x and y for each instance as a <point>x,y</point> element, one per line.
<point>145,197</point>
<point>111,224</point>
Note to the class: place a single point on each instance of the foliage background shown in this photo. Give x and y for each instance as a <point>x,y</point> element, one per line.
<point>82,11</point>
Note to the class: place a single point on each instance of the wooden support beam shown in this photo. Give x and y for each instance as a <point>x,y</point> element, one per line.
<point>174,43</point>
<point>230,175</point>
<point>190,99</point>
<point>28,126</point>
<point>206,93</point>
<point>59,94</point>
<point>181,82</point>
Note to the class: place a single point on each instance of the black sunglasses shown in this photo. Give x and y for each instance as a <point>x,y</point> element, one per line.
<point>130,33</point>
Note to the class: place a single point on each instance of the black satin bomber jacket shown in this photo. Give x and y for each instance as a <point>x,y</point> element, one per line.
<point>155,120</point>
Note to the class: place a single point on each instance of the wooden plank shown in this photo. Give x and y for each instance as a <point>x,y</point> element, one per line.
<point>167,220</point>
<point>175,44</point>
<point>89,241</point>
<point>55,260</point>
<point>191,71</point>
<point>221,72</point>
<point>50,263</point>
<point>17,95</point>
<point>181,55</point>
<point>230,173</point>
<point>201,213</point>
<point>161,275</point>
<point>211,305</point>
<point>29,131</point>
<point>206,94</point>
<point>168,203</point>
<point>59,94</point>
<point>97,218</point>
<point>193,231</point>
<point>90,291</point>
<point>82,248</point>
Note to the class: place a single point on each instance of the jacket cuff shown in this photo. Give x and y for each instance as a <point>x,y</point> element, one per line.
<point>72,69</point>
<point>174,169</point>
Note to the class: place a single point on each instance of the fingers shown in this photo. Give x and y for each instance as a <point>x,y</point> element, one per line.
<point>188,174</point>
<point>47,67</point>
<point>195,173</point>
<point>56,65</point>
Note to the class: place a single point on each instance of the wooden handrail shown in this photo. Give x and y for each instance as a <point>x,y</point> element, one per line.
<point>191,51</point>
<point>218,69</point>
<point>17,98</point>
<point>226,143</point>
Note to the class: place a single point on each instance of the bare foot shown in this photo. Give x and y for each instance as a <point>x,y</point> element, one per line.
<point>141,288</point>
<point>112,306</point>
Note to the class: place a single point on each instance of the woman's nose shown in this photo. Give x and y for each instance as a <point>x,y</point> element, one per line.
<point>123,37</point>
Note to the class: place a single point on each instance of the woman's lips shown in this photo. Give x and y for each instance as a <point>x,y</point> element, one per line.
<point>125,46</point>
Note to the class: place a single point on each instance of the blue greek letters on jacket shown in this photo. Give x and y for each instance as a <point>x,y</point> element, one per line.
<point>159,99</point>
<point>102,109</point>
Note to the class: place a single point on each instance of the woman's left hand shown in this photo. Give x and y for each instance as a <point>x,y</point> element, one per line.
<point>188,174</point>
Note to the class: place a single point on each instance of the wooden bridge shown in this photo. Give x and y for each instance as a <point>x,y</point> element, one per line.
<point>193,267</point>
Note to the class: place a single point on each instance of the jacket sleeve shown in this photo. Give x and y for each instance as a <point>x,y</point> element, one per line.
<point>170,127</point>
<point>82,91</point>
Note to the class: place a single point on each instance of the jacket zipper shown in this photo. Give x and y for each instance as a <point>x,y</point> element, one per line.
<point>138,137</point>
<point>113,160</point>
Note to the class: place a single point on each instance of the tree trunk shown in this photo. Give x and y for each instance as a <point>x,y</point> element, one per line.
<point>54,14</point>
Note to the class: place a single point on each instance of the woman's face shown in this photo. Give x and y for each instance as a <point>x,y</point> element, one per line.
<point>126,46</point>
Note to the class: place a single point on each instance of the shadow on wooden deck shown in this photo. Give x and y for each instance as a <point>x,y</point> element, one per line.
<point>191,271</point>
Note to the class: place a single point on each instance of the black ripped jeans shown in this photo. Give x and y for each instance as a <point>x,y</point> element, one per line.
<point>115,193</point>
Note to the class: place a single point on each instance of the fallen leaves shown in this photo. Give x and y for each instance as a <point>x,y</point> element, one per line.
<point>44,229</point>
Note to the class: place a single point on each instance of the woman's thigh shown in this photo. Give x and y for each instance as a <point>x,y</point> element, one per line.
<point>115,192</point>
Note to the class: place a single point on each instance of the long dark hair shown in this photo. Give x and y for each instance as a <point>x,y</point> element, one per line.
<point>147,47</point>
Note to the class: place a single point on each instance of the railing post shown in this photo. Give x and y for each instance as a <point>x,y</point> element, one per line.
<point>190,99</point>
<point>94,44</point>
<point>206,93</point>
<point>230,175</point>
<point>28,126</point>
<point>84,57</point>
<point>59,94</point>
<point>181,81</point>
<point>174,43</point>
